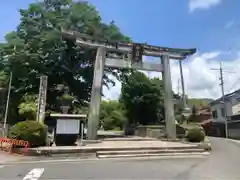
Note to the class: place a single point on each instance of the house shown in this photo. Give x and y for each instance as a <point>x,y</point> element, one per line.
<point>232,102</point>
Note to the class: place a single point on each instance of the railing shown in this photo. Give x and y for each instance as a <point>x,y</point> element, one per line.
<point>7,144</point>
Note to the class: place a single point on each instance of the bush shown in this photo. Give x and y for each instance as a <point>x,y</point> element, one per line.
<point>31,131</point>
<point>28,107</point>
<point>195,135</point>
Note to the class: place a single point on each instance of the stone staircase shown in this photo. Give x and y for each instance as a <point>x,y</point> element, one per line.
<point>152,152</point>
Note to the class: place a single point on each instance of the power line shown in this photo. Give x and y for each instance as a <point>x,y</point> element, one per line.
<point>235,83</point>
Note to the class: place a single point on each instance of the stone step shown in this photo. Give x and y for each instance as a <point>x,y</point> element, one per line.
<point>149,151</point>
<point>165,155</point>
<point>130,139</point>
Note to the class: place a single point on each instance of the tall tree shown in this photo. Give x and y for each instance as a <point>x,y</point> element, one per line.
<point>142,98</point>
<point>37,48</point>
<point>112,115</point>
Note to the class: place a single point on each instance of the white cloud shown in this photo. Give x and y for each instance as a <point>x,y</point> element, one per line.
<point>114,91</point>
<point>202,4</point>
<point>200,80</point>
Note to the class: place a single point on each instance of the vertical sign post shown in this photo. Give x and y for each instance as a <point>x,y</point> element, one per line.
<point>42,98</point>
<point>93,114</point>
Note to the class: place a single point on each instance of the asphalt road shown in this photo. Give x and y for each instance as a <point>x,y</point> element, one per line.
<point>223,163</point>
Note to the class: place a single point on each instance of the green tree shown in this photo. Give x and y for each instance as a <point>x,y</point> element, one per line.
<point>198,102</point>
<point>194,117</point>
<point>142,98</point>
<point>112,115</point>
<point>28,107</point>
<point>37,47</point>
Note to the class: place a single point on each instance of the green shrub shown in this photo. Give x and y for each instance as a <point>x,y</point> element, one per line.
<point>31,131</point>
<point>67,97</point>
<point>195,135</point>
<point>28,107</point>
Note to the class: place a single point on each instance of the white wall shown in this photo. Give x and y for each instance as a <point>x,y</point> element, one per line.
<point>218,107</point>
<point>232,108</point>
<point>236,109</point>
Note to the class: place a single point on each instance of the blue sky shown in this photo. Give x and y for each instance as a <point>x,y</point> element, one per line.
<point>163,22</point>
<point>170,23</point>
<point>211,26</point>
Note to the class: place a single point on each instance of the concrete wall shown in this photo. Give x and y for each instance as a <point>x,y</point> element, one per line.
<point>234,133</point>
<point>236,109</point>
<point>234,129</point>
<point>217,108</point>
<point>232,107</point>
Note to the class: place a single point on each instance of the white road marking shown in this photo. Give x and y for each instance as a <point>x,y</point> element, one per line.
<point>1,166</point>
<point>34,174</point>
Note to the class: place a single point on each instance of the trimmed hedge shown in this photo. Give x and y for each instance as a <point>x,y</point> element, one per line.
<point>31,131</point>
<point>195,135</point>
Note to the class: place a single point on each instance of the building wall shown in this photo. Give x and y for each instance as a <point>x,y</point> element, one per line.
<point>218,112</point>
<point>232,107</point>
<point>236,109</point>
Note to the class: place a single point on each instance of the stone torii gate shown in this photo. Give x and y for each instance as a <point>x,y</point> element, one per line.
<point>107,57</point>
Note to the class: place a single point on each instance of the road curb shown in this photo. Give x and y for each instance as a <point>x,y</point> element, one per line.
<point>79,160</point>
<point>86,150</point>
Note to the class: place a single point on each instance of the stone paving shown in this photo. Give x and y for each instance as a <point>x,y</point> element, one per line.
<point>122,144</point>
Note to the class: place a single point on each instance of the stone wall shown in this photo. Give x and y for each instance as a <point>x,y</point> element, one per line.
<point>234,130</point>
<point>150,131</point>
<point>157,131</point>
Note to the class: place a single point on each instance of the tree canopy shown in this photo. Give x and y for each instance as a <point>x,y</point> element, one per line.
<point>112,115</point>
<point>142,98</point>
<point>37,48</point>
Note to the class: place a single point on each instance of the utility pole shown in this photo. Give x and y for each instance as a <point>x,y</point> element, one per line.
<point>223,97</point>
<point>183,88</point>
<point>178,87</point>
<point>7,104</point>
<point>8,98</point>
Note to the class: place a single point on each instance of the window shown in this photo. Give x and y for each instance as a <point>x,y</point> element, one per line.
<point>222,112</point>
<point>214,114</point>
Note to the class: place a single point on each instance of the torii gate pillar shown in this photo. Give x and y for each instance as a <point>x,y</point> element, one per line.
<point>168,98</point>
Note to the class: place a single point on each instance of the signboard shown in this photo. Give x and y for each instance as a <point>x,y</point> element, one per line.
<point>42,98</point>
<point>68,126</point>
